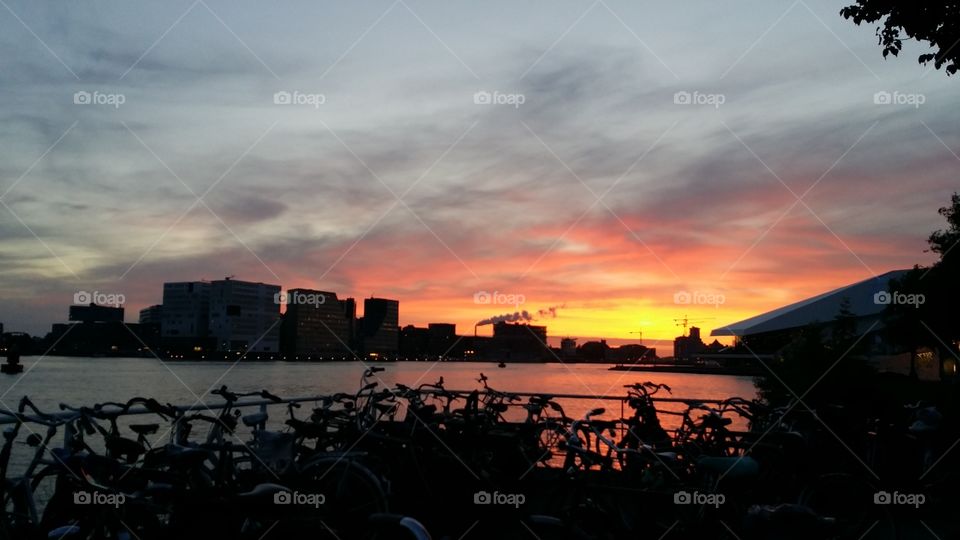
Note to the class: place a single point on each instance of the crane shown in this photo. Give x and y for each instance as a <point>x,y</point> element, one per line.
<point>639,336</point>
<point>685,321</point>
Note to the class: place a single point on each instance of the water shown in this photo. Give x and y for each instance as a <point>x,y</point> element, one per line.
<point>52,380</point>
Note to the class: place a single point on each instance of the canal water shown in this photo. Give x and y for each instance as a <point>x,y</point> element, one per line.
<point>52,380</point>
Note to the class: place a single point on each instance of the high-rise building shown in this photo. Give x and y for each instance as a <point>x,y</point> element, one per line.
<point>380,332</point>
<point>316,323</point>
<point>185,315</point>
<point>244,316</point>
<point>151,315</point>
<point>349,306</point>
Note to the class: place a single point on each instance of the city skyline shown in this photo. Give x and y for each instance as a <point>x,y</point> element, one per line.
<point>602,160</point>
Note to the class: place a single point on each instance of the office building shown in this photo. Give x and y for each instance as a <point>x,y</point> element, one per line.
<point>244,316</point>
<point>519,342</point>
<point>152,315</point>
<point>316,323</point>
<point>380,332</point>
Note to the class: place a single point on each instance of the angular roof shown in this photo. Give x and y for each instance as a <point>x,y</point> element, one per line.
<point>821,308</point>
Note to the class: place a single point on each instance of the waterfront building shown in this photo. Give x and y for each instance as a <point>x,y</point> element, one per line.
<point>441,339</point>
<point>244,316</point>
<point>185,316</point>
<point>380,330</point>
<point>768,333</point>
<point>151,315</point>
<point>95,313</point>
<point>317,323</point>
<point>519,342</point>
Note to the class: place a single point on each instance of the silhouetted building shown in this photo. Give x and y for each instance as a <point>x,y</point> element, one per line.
<point>684,347</point>
<point>474,348</point>
<point>631,354</point>
<point>102,338</point>
<point>152,315</point>
<point>442,337</point>
<point>414,342</point>
<point>518,342</point>
<point>245,316</point>
<point>568,348</point>
<point>767,334</point>
<point>185,316</point>
<point>380,332</point>
<point>594,351</point>
<point>773,330</point>
<point>19,343</point>
<point>94,313</point>
<point>316,323</point>
<point>349,306</point>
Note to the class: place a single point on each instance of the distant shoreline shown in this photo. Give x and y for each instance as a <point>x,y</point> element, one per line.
<point>700,370</point>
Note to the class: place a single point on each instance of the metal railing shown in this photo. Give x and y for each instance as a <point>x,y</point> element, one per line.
<point>10,417</point>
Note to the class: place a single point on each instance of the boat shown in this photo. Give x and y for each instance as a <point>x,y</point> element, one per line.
<point>502,365</point>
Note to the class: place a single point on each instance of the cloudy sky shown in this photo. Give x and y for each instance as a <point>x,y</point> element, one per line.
<point>433,149</point>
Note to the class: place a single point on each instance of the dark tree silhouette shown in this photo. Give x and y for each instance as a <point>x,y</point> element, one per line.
<point>934,21</point>
<point>823,364</point>
<point>933,323</point>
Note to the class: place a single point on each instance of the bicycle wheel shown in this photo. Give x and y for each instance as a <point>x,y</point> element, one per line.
<point>350,494</point>
<point>850,501</point>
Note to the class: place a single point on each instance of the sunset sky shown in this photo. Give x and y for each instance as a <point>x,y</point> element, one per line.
<point>597,193</point>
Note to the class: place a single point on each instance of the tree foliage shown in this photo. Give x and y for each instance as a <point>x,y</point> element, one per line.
<point>823,364</point>
<point>933,323</point>
<point>936,22</point>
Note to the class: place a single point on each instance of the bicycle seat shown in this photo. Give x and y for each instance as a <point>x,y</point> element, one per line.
<point>61,454</point>
<point>499,407</point>
<point>144,429</point>
<point>262,491</point>
<point>425,411</point>
<point>604,424</point>
<point>730,467</point>
<point>306,429</point>
<point>255,419</point>
<point>125,447</point>
<point>385,408</point>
